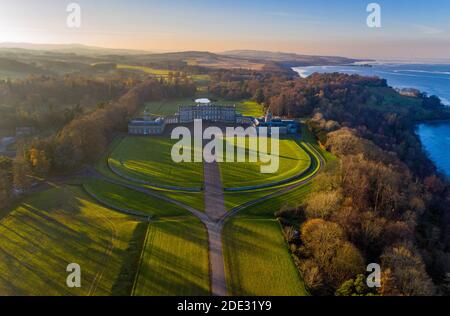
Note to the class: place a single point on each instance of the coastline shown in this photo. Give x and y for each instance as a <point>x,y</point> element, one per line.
<point>433,155</point>
<point>398,77</point>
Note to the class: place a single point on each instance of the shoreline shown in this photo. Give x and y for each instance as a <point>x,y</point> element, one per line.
<point>303,70</point>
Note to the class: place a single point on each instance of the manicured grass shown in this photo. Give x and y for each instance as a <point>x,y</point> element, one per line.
<point>131,200</point>
<point>235,199</point>
<point>257,260</point>
<point>62,225</point>
<point>293,160</point>
<point>244,107</point>
<point>195,199</point>
<point>268,208</point>
<point>170,107</point>
<point>250,108</point>
<point>175,260</point>
<point>167,107</point>
<point>149,159</point>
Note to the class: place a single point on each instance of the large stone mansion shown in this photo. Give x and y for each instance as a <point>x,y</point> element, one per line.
<point>204,110</point>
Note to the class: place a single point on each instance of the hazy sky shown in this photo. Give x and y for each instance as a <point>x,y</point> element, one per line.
<point>410,28</point>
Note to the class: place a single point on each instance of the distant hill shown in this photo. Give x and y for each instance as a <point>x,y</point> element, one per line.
<point>25,58</point>
<point>290,59</point>
<point>72,48</point>
<point>12,65</point>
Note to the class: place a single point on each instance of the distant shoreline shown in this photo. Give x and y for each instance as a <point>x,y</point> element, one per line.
<point>438,121</point>
<point>303,72</point>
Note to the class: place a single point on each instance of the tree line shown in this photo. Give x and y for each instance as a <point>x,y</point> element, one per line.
<point>381,201</point>
<point>84,139</point>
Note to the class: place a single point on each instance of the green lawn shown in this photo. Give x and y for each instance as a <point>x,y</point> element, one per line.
<point>62,225</point>
<point>175,260</point>
<point>194,199</point>
<point>235,199</point>
<point>293,160</point>
<point>170,107</point>
<point>131,200</point>
<point>149,159</point>
<point>250,108</point>
<point>167,107</point>
<point>257,260</point>
<point>268,208</point>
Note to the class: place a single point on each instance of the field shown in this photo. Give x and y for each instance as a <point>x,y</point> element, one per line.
<point>257,260</point>
<point>167,107</point>
<point>130,200</point>
<point>174,260</point>
<point>268,208</point>
<point>202,79</point>
<point>250,108</point>
<point>147,70</point>
<point>62,225</point>
<point>149,159</point>
<point>293,160</point>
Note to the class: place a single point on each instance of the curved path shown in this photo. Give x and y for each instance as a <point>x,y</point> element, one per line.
<point>215,215</point>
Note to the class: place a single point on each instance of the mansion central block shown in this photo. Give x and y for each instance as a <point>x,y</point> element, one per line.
<point>212,113</point>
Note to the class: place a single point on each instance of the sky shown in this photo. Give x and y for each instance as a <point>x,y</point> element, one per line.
<point>410,29</point>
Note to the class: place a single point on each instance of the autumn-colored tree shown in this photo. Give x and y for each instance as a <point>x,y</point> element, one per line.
<point>408,270</point>
<point>325,243</point>
<point>323,204</point>
<point>388,284</point>
<point>39,162</point>
<point>356,287</point>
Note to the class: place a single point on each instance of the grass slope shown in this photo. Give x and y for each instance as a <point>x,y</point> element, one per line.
<point>132,200</point>
<point>268,208</point>
<point>293,160</point>
<point>194,199</point>
<point>175,260</point>
<point>257,259</point>
<point>250,108</point>
<point>62,225</point>
<point>149,159</point>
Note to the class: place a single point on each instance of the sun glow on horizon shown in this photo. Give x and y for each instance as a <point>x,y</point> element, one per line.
<point>306,27</point>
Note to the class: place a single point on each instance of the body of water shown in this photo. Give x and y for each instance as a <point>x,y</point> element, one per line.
<point>435,138</point>
<point>433,79</point>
